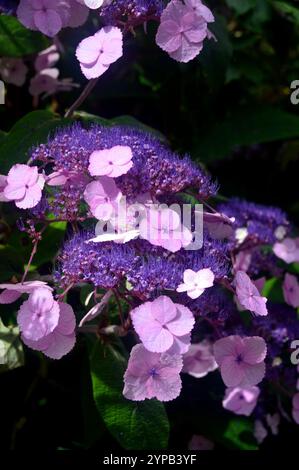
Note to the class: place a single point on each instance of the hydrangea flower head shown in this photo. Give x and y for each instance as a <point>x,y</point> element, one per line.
<point>199,360</point>
<point>96,53</point>
<point>195,283</point>
<point>152,375</point>
<point>39,315</point>
<point>61,339</point>
<point>111,162</point>
<point>248,294</point>
<point>291,290</point>
<point>24,186</point>
<point>241,401</point>
<point>183,29</point>
<point>102,197</point>
<point>163,325</point>
<point>241,360</point>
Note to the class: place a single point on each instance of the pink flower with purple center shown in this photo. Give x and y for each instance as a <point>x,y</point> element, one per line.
<point>112,162</point>
<point>163,325</point>
<point>195,283</point>
<point>61,340</point>
<point>152,375</point>
<point>50,16</point>
<point>96,53</point>
<point>241,360</point>
<point>241,401</point>
<point>102,196</point>
<point>183,29</point>
<point>24,186</point>
<point>39,315</point>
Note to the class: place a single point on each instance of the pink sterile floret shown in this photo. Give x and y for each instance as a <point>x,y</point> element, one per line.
<point>102,196</point>
<point>61,340</point>
<point>183,29</point>
<point>50,16</point>
<point>195,283</point>
<point>38,316</point>
<point>162,227</point>
<point>287,250</point>
<point>241,360</point>
<point>24,186</point>
<point>152,375</point>
<point>163,325</point>
<point>248,295</point>
<point>111,162</point>
<point>241,401</point>
<point>199,360</point>
<point>96,53</point>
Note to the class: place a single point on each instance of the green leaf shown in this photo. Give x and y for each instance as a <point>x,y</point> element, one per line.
<point>241,6</point>
<point>216,55</point>
<point>17,41</point>
<point>273,290</point>
<point>135,425</point>
<point>289,11</point>
<point>238,434</point>
<point>31,130</point>
<point>11,349</point>
<point>11,262</point>
<point>247,126</point>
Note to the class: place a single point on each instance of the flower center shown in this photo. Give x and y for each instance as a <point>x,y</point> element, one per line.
<point>153,372</point>
<point>239,359</point>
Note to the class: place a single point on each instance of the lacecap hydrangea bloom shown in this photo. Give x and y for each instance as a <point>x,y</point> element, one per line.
<point>185,308</point>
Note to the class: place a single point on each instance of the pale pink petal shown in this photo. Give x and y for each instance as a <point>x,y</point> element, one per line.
<point>48,22</point>
<point>168,36</point>
<point>253,374</point>
<point>255,349</point>
<point>88,51</point>
<point>25,13</point>
<point>13,193</point>
<point>183,321</point>
<point>181,344</point>
<point>163,309</point>
<point>32,197</point>
<point>67,320</point>
<point>232,373</point>
<point>9,296</point>
<point>60,345</point>
<point>227,347</point>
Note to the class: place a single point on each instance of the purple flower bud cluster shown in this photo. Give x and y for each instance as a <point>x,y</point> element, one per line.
<point>132,12</point>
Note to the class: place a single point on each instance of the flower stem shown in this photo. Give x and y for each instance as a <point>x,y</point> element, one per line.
<point>87,90</point>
